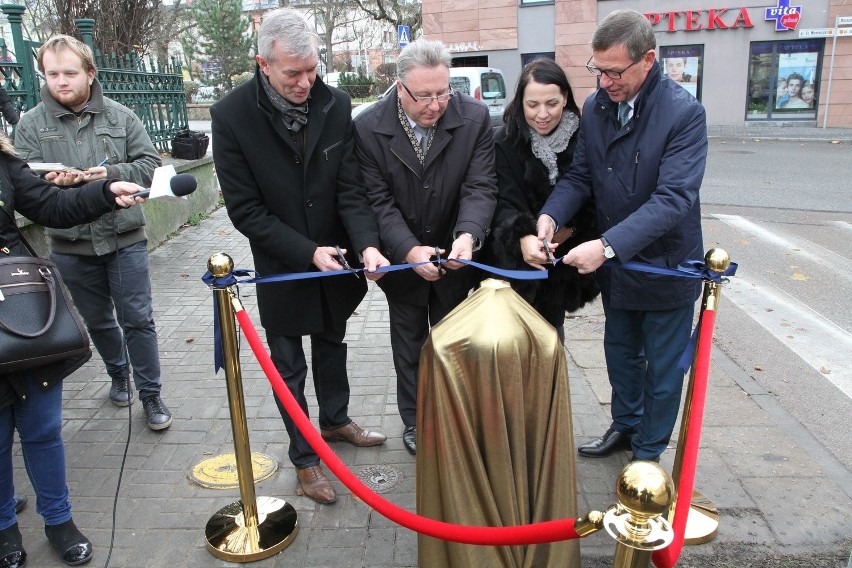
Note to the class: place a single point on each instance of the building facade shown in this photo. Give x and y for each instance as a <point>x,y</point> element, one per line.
<point>762,60</point>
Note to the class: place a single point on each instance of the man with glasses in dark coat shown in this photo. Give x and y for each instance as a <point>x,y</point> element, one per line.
<point>427,157</point>
<point>641,153</point>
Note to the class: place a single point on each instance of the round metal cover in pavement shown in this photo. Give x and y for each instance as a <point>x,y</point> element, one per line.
<point>379,478</point>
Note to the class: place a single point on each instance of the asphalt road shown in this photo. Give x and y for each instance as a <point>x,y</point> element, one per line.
<point>783,211</point>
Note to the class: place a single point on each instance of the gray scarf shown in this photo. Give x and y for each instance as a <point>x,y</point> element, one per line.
<point>295,117</point>
<point>545,148</point>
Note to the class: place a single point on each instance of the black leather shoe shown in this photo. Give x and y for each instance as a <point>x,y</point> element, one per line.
<point>604,446</point>
<point>20,503</point>
<point>12,553</point>
<point>409,439</point>
<point>69,542</point>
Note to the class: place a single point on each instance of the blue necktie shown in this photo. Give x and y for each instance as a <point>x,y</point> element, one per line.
<point>623,113</point>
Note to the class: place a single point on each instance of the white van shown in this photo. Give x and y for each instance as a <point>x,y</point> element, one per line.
<point>485,84</point>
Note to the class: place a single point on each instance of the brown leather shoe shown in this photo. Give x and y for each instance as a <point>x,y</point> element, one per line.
<point>314,485</point>
<point>353,434</point>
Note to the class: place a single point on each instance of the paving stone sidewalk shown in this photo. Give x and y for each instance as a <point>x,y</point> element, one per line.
<point>778,507</point>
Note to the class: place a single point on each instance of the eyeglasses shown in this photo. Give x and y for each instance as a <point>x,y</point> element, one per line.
<point>426,101</point>
<point>615,75</point>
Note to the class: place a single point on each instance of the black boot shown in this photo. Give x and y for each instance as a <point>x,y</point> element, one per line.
<point>121,393</point>
<point>69,542</point>
<point>12,554</point>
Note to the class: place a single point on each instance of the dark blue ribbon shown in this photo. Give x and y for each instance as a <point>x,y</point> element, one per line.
<point>687,269</point>
<point>245,276</point>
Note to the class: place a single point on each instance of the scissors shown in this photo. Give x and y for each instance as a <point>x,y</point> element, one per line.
<point>547,252</point>
<point>342,260</point>
<point>437,262</point>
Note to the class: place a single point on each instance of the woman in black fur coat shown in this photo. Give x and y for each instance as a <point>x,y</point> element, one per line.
<point>534,149</point>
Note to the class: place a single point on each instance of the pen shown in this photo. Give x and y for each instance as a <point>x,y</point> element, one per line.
<point>104,161</point>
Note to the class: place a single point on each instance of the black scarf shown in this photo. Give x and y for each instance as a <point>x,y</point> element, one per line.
<point>294,116</point>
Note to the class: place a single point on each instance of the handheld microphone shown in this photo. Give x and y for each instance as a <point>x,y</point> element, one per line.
<point>180,184</point>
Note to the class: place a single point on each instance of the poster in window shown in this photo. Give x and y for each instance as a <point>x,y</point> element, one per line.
<point>797,78</point>
<point>682,64</point>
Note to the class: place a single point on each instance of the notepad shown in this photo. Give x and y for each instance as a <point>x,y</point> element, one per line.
<point>42,168</point>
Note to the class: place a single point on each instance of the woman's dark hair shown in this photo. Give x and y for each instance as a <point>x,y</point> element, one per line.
<point>546,72</point>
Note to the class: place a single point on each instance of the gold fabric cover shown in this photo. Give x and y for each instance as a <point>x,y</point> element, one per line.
<point>495,444</point>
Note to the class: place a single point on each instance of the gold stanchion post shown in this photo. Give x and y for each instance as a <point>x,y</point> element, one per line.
<point>702,524</point>
<point>253,528</point>
<point>645,491</point>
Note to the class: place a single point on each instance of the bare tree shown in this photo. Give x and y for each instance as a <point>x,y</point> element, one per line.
<point>332,18</point>
<point>397,12</point>
<point>123,26</point>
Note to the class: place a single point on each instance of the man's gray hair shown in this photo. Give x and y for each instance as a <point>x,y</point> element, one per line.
<point>422,53</point>
<point>289,30</point>
<point>628,27</point>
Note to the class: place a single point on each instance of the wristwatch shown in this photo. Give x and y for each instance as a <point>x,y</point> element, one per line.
<point>608,251</point>
<point>472,238</point>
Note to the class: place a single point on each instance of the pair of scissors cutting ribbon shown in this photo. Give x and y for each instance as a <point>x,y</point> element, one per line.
<point>438,261</point>
<point>547,252</point>
<point>342,260</point>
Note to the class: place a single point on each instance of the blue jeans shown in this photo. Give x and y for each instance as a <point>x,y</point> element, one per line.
<point>38,420</point>
<point>331,384</point>
<point>111,289</point>
<point>642,350</point>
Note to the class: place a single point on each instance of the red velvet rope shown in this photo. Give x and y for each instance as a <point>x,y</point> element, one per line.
<point>667,557</point>
<point>537,533</point>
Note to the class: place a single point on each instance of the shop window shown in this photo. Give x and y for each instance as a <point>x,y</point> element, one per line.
<point>783,80</point>
<point>684,64</point>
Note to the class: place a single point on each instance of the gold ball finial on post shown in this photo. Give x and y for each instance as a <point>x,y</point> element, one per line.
<point>717,260</point>
<point>645,491</point>
<point>220,264</point>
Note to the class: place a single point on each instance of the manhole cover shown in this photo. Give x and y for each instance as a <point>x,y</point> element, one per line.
<point>379,478</point>
<point>220,472</point>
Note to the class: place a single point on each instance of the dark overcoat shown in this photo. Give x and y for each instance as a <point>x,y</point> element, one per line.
<point>47,205</point>
<point>645,178</point>
<point>288,205</point>
<point>523,187</point>
<point>453,192</point>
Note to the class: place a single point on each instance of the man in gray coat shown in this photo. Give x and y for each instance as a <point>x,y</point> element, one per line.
<point>427,157</point>
<point>105,263</point>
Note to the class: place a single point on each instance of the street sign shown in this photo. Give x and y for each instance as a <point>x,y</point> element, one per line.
<point>844,21</point>
<point>404,35</point>
<point>817,32</point>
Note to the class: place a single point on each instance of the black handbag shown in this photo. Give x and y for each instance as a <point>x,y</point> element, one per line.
<point>38,321</point>
<point>189,145</point>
